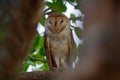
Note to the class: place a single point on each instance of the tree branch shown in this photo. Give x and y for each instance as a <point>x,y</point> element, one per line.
<point>75,27</point>
<point>48,13</point>
<point>37,59</point>
<point>77,18</point>
<point>46,10</point>
<point>39,75</point>
<point>72,26</point>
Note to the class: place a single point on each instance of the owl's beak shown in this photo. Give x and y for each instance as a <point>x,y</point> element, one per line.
<point>56,29</point>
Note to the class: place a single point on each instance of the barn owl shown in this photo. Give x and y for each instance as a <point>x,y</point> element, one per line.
<point>58,42</point>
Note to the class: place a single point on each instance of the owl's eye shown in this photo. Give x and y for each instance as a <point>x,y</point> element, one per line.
<point>61,21</point>
<point>50,22</point>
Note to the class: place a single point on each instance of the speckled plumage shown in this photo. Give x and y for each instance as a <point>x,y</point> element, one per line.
<point>58,42</point>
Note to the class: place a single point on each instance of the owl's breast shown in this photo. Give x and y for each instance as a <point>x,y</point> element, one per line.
<point>59,42</point>
<point>58,39</point>
<point>59,45</point>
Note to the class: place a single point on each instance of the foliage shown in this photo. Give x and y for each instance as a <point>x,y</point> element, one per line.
<point>37,54</point>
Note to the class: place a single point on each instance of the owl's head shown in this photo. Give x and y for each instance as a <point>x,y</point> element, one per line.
<point>57,22</point>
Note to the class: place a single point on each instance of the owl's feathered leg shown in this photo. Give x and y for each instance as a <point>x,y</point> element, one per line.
<point>63,62</point>
<point>57,62</point>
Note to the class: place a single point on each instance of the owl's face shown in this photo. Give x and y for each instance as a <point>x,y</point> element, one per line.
<point>57,22</point>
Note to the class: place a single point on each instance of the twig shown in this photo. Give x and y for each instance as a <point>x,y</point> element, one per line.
<point>45,12</point>
<point>48,13</point>
<point>46,9</point>
<point>72,26</point>
<point>77,18</point>
<point>37,59</point>
<point>75,27</point>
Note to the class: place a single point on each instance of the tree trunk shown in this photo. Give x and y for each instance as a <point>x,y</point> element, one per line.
<point>18,21</point>
<point>100,55</point>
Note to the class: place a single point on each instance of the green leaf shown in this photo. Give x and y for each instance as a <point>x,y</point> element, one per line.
<point>25,67</point>
<point>39,62</point>
<point>53,0</point>
<point>48,4</point>
<point>78,32</point>
<point>42,51</point>
<point>58,6</point>
<point>73,17</point>
<point>42,21</point>
<point>38,43</point>
<point>78,50</point>
<point>71,0</point>
<point>31,62</point>
<point>45,67</point>
<point>38,55</point>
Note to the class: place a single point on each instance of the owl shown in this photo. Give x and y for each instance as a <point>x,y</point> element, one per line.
<point>58,42</point>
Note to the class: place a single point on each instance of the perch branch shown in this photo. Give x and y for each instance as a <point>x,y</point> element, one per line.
<point>39,75</point>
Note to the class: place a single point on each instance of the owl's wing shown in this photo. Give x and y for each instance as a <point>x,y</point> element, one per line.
<point>47,50</point>
<point>71,49</point>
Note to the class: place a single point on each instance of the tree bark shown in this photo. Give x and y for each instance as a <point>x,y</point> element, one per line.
<point>39,75</point>
<point>100,54</point>
<point>18,21</point>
